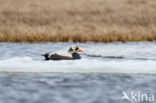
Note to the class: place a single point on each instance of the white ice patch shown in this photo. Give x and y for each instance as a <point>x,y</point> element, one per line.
<point>26,64</point>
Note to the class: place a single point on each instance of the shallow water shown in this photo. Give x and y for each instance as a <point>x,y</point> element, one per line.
<point>103,73</point>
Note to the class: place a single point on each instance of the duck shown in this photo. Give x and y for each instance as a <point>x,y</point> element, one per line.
<point>71,54</point>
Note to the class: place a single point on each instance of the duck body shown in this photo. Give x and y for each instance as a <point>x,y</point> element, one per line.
<point>61,55</point>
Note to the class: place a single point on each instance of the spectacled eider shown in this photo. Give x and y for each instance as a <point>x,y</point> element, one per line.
<point>72,54</point>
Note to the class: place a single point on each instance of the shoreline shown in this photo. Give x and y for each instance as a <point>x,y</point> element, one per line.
<point>105,38</point>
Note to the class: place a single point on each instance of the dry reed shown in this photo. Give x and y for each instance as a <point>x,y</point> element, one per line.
<point>77,20</point>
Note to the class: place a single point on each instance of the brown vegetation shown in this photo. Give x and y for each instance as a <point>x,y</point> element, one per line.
<point>77,20</point>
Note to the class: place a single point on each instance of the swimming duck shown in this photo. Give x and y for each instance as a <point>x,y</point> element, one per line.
<point>72,54</point>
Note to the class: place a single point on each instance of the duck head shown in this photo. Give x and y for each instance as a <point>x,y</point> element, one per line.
<point>74,50</point>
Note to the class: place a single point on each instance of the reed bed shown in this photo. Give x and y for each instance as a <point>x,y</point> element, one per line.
<point>77,20</point>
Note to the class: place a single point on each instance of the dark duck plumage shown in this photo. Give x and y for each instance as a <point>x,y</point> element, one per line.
<point>70,55</point>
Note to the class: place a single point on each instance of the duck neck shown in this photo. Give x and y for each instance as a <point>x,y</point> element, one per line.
<point>76,56</point>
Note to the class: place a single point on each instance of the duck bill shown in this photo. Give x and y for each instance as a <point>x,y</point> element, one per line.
<point>80,51</point>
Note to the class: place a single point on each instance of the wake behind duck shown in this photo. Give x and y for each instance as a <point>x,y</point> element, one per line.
<point>71,54</point>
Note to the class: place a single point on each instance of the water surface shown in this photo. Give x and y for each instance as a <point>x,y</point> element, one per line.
<point>97,58</point>
<point>103,73</point>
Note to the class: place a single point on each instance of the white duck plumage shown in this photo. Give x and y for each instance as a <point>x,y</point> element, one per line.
<point>63,55</point>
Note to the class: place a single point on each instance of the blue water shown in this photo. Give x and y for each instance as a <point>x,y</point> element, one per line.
<point>105,71</point>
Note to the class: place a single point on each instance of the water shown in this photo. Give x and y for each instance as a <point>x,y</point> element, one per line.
<point>104,71</point>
